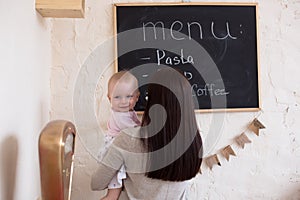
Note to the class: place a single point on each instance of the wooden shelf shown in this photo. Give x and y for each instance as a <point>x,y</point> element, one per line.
<point>60,8</point>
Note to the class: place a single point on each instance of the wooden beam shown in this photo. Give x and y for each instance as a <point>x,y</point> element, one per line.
<point>60,8</point>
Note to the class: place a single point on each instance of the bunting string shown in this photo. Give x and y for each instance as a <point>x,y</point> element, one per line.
<point>241,140</point>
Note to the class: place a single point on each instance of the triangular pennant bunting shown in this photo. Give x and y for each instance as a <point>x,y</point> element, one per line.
<point>255,126</point>
<point>227,151</point>
<point>242,140</point>
<point>212,160</point>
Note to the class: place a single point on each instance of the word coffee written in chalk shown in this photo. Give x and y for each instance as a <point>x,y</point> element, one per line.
<point>207,90</point>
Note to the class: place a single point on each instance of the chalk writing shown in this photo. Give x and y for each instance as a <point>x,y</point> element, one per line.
<point>178,26</point>
<point>148,58</point>
<point>207,90</point>
<point>174,60</point>
<point>188,75</point>
<point>222,38</point>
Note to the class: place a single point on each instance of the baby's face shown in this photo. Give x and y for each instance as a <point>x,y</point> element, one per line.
<point>123,97</point>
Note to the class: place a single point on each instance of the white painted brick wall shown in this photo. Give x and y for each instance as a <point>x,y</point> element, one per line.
<point>268,168</point>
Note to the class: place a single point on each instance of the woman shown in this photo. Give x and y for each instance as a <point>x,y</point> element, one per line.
<point>162,155</point>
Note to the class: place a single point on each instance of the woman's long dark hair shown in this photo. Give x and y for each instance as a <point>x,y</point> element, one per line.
<point>170,135</point>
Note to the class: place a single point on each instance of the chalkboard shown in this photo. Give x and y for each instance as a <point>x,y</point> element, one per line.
<point>214,45</point>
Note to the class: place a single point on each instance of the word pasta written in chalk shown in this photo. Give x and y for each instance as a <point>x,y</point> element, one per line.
<point>174,60</point>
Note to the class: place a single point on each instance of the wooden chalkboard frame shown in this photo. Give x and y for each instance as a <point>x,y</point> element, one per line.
<point>238,109</point>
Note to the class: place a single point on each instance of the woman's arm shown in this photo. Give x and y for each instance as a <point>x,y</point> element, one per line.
<point>108,167</point>
<point>102,177</point>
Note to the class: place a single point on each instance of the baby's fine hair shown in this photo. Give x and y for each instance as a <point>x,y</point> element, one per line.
<point>121,77</point>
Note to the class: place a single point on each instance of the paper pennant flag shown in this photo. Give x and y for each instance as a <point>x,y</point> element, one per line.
<point>227,151</point>
<point>212,160</point>
<point>255,126</point>
<point>242,140</point>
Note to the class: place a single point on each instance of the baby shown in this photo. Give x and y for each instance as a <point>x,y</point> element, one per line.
<point>123,94</point>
